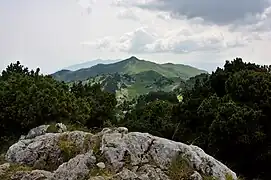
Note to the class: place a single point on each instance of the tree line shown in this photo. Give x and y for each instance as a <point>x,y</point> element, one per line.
<point>29,99</point>
<point>226,113</point>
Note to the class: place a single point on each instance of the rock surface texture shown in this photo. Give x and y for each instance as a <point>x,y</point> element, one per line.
<point>112,154</point>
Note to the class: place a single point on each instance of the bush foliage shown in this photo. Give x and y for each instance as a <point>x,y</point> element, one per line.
<point>29,99</point>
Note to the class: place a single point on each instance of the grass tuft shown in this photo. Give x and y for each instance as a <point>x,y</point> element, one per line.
<point>180,168</point>
<point>52,129</point>
<point>68,148</point>
<point>13,169</point>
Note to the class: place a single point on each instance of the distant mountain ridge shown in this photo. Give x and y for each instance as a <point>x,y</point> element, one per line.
<point>89,64</point>
<point>130,66</point>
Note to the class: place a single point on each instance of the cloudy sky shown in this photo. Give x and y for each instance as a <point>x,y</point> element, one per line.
<point>53,34</point>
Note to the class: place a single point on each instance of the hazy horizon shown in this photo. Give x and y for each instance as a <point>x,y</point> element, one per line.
<point>208,67</point>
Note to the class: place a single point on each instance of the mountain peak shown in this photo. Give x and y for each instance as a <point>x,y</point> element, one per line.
<point>133,58</point>
<point>132,65</point>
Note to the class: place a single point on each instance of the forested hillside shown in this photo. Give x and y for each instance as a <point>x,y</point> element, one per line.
<point>226,113</point>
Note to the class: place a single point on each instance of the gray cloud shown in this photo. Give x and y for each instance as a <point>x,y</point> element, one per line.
<point>260,23</point>
<point>215,11</point>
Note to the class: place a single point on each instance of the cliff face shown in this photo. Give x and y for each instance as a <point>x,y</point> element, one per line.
<point>112,154</point>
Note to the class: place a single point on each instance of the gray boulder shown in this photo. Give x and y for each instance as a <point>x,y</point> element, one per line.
<point>38,131</point>
<point>143,148</point>
<point>112,154</point>
<point>47,150</point>
<point>41,130</point>
<point>76,168</point>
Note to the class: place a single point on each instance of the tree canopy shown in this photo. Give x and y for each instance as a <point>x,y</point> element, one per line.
<point>29,99</point>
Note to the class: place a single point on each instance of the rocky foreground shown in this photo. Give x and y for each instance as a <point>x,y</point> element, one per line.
<point>112,154</point>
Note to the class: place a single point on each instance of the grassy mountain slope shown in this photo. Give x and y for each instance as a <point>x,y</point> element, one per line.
<point>129,86</point>
<point>183,71</point>
<point>129,66</point>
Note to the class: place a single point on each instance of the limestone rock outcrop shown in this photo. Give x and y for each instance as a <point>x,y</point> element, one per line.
<point>112,154</point>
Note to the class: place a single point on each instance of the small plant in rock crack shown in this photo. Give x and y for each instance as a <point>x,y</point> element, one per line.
<point>180,169</point>
<point>68,148</point>
<point>52,128</point>
<point>209,178</point>
<point>87,141</point>
<point>228,176</point>
<point>96,144</point>
<point>95,171</point>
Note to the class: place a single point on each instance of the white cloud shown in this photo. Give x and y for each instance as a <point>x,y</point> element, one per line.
<point>164,15</point>
<point>128,3</point>
<point>134,42</point>
<point>86,4</point>
<point>187,39</point>
<point>129,13</point>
